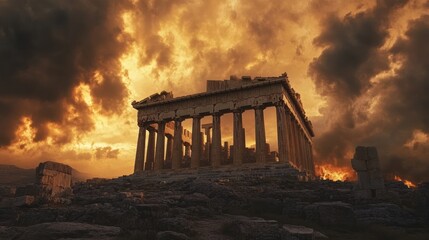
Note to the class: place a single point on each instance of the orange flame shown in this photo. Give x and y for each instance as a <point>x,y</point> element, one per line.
<point>406,182</point>
<point>334,173</point>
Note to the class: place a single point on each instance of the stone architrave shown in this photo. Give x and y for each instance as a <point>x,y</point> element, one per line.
<point>370,182</point>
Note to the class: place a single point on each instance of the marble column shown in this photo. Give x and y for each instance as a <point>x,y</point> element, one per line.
<point>282,132</point>
<point>196,142</point>
<point>238,139</point>
<point>261,143</point>
<point>208,143</point>
<point>187,149</point>
<point>160,140</point>
<point>169,150</point>
<point>310,149</point>
<point>177,144</point>
<point>216,149</point>
<point>150,149</point>
<point>294,129</point>
<point>304,155</point>
<point>301,152</point>
<point>141,145</point>
<point>292,146</point>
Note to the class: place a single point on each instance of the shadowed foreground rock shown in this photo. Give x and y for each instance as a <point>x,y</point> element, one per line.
<point>207,206</point>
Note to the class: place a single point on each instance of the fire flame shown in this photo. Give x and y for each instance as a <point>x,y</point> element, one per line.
<point>406,182</point>
<point>334,173</point>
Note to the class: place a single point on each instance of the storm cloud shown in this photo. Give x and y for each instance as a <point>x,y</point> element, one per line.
<point>364,107</point>
<point>48,49</point>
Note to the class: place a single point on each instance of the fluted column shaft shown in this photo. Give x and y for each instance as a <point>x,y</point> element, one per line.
<point>177,144</point>
<point>187,149</point>
<point>216,149</point>
<point>299,144</point>
<point>141,145</point>
<point>196,142</point>
<point>282,132</point>
<point>169,150</point>
<point>160,139</point>
<point>150,150</point>
<point>260,135</point>
<point>310,149</point>
<point>298,158</point>
<point>292,145</point>
<point>238,138</point>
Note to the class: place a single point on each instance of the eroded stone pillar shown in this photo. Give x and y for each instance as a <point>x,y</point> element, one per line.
<point>216,149</point>
<point>141,145</point>
<point>150,149</point>
<point>177,144</point>
<point>208,143</point>
<point>282,132</point>
<point>187,149</point>
<point>294,128</point>
<point>303,151</point>
<point>169,150</point>
<point>238,138</point>
<point>260,135</point>
<point>292,148</point>
<point>196,142</point>
<point>160,140</point>
<point>311,158</point>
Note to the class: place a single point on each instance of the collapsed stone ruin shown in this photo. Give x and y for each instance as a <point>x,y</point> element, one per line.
<point>53,178</point>
<point>370,182</point>
<point>53,181</point>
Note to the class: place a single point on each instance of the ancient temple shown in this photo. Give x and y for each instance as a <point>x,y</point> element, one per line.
<point>161,115</point>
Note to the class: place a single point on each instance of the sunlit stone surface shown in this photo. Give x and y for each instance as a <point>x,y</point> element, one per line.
<point>161,112</point>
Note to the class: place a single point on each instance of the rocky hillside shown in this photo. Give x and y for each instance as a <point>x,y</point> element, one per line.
<point>15,176</point>
<point>211,207</point>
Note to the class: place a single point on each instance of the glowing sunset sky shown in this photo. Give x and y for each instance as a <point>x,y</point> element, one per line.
<point>69,71</point>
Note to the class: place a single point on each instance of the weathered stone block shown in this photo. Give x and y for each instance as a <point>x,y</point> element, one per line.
<point>370,180</point>
<point>53,178</point>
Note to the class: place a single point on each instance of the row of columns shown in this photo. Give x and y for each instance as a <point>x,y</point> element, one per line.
<point>293,145</point>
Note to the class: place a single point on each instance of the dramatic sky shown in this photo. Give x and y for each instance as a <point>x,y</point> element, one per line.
<point>70,69</point>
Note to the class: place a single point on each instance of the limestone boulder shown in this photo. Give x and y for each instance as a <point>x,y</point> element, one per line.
<point>53,178</point>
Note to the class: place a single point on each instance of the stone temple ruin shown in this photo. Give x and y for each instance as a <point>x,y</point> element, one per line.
<point>370,182</point>
<point>162,115</point>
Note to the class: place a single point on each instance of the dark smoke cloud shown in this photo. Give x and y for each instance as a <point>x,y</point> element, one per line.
<point>360,111</point>
<point>47,49</point>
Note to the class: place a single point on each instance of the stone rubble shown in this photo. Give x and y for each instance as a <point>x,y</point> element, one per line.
<point>240,207</point>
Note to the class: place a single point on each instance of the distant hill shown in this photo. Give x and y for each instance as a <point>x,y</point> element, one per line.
<point>16,176</point>
<point>13,175</point>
